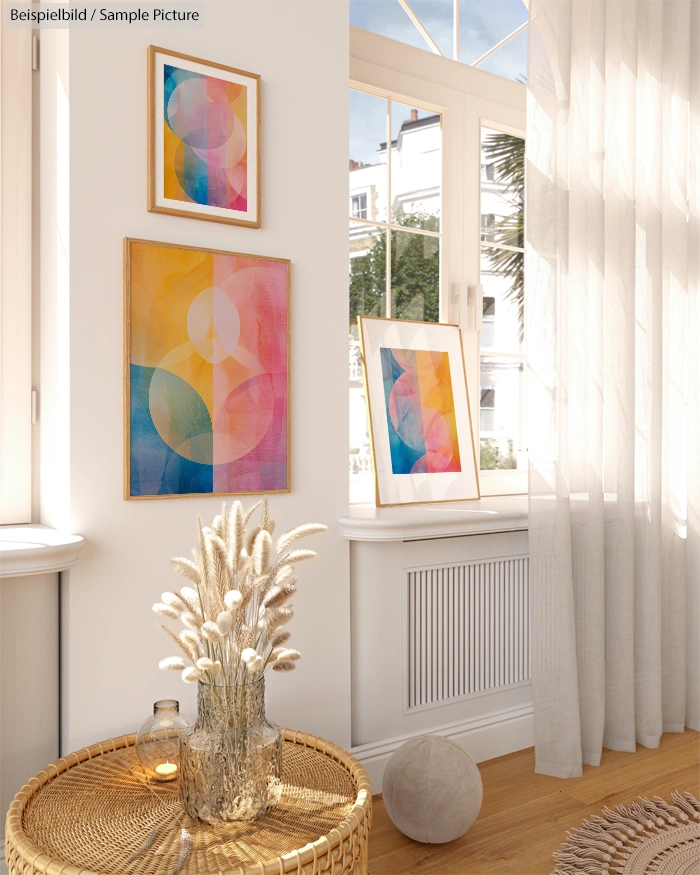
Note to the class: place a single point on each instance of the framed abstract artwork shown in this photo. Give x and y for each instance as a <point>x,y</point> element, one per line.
<point>419,416</point>
<point>206,371</point>
<point>204,139</point>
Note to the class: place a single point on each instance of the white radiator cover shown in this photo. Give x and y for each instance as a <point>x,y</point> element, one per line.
<point>466,628</point>
<point>383,709</point>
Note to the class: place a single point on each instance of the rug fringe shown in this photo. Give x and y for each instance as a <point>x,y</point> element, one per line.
<point>614,834</point>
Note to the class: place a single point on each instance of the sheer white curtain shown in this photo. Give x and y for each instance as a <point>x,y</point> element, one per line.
<point>612,271</point>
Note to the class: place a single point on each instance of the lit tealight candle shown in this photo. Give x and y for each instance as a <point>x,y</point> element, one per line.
<point>166,770</point>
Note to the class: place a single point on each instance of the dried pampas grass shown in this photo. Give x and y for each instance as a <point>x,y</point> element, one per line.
<point>235,604</point>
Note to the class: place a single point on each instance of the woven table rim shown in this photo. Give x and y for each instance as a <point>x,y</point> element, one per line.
<point>289,862</point>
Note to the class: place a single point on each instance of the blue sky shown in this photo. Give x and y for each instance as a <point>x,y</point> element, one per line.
<point>483,23</point>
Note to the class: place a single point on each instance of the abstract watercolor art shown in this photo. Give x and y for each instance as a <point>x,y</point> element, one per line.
<point>207,371</point>
<point>420,411</point>
<point>204,129</point>
<point>418,408</point>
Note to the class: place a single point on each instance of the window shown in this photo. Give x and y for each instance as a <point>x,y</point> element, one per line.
<point>396,154</point>
<point>421,249</point>
<point>488,224</point>
<point>15,273</point>
<point>358,206</point>
<point>502,354</point>
<point>488,34</point>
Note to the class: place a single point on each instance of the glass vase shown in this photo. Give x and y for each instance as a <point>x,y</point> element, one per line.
<point>230,758</point>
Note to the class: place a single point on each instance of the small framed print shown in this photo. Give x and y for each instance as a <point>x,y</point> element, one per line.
<point>204,139</point>
<point>418,405</point>
<point>206,371</point>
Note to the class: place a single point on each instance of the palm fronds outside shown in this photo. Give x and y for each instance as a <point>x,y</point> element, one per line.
<point>506,155</point>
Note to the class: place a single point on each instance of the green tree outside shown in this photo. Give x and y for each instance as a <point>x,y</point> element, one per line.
<point>415,273</point>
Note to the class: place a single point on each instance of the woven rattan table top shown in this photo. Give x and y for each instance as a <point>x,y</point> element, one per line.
<point>88,813</point>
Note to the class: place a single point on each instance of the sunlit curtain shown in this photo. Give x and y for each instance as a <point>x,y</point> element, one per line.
<point>613,322</point>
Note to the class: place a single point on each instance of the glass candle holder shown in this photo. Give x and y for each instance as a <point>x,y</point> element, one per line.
<point>158,741</point>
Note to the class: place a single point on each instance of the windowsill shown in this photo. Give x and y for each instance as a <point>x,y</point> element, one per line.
<point>502,513</point>
<point>36,549</point>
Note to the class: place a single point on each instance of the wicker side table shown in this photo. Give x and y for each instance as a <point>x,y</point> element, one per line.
<point>91,813</point>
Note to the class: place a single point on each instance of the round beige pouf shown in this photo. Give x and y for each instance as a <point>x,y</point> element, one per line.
<point>432,790</point>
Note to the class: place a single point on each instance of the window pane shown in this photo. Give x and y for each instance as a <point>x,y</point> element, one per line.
<point>502,188</point>
<point>367,298</point>
<point>361,480</point>
<point>367,272</point>
<point>437,17</point>
<point>510,61</point>
<point>502,383</point>
<point>387,18</point>
<point>415,276</point>
<point>501,280</point>
<point>416,166</point>
<point>502,224</point>
<point>368,167</point>
<point>484,25</point>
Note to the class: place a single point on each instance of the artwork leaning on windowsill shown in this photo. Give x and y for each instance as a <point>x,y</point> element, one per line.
<point>206,372</point>
<point>418,406</point>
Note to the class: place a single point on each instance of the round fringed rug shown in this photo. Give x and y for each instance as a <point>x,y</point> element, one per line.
<point>648,837</point>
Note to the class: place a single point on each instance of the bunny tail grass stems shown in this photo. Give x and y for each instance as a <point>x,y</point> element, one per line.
<point>175,639</point>
<point>262,551</point>
<point>279,636</point>
<point>165,611</point>
<point>187,569</point>
<point>172,663</point>
<point>278,595</point>
<point>153,834</point>
<point>236,600</point>
<point>185,851</point>
<point>284,665</point>
<point>299,556</point>
<point>297,534</point>
<point>233,599</point>
<point>266,521</point>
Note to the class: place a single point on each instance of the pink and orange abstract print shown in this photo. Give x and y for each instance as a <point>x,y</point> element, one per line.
<point>207,371</point>
<point>205,135</point>
<point>420,411</point>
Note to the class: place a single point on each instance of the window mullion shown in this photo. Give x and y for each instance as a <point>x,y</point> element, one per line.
<point>455,25</point>
<point>389,307</point>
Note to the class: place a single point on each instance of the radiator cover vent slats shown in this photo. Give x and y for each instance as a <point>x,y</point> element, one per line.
<point>468,629</point>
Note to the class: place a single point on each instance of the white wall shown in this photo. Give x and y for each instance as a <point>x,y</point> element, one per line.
<point>111,642</point>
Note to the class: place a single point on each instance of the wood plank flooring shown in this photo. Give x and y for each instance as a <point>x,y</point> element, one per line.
<point>524,817</point>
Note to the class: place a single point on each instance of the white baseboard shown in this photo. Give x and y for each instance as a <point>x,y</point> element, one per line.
<point>483,737</point>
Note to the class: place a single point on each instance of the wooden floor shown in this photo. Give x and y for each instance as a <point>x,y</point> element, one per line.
<point>524,817</point>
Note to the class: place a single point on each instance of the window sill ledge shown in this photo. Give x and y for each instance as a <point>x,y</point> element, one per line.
<point>36,549</point>
<point>503,513</point>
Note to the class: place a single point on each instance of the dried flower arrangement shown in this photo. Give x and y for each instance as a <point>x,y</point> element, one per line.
<point>235,610</point>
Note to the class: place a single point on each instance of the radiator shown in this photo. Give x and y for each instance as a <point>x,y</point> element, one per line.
<point>468,629</point>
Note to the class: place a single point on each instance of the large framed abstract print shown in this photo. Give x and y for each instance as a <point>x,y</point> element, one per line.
<point>206,371</point>
<point>204,139</point>
<point>419,416</point>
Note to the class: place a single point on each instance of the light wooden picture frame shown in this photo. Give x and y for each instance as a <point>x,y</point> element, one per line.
<point>421,431</point>
<point>206,372</point>
<point>203,139</point>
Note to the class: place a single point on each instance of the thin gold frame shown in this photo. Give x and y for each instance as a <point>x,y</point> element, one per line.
<point>127,376</point>
<point>192,214</point>
<point>360,321</point>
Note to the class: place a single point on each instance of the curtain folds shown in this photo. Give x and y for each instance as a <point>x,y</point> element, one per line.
<point>613,324</point>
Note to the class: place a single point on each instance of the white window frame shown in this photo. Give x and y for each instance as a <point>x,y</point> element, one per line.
<point>467,98</point>
<point>15,275</point>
